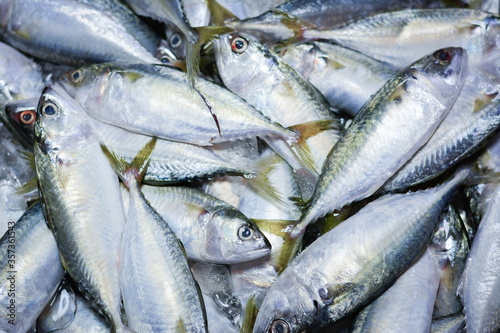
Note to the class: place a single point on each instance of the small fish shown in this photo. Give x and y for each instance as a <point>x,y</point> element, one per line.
<point>402,37</point>
<point>30,270</point>
<point>356,261</point>
<point>168,300</point>
<point>81,199</point>
<point>387,131</point>
<point>209,229</point>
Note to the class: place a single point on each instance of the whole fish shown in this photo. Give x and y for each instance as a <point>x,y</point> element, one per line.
<point>122,96</point>
<point>480,285</point>
<point>472,120</point>
<point>81,199</point>
<point>30,270</point>
<point>345,77</point>
<point>69,32</point>
<point>269,84</point>
<point>292,18</point>
<point>407,305</point>
<point>167,300</point>
<point>387,131</point>
<point>400,38</point>
<point>356,261</point>
<point>209,229</point>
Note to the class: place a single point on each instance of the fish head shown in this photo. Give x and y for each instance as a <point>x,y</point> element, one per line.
<point>238,238</point>
<point>288,306</point>
<point>22,116</point>
<point>60,121</point>
<point>242,62</point>
<point>441,73</point>
<point>174,45</point>
<point>87,83</point>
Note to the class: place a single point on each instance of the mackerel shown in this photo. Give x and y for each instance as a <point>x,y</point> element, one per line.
<point>387,131</point>
<point>81,200</point>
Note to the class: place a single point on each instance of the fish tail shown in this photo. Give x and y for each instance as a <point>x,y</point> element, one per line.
<point>261,183</point>
<point>250,316</point>
<point>205,34</point>
<point>135,170</point>
<point>219,13</point>
<point>307,130</point>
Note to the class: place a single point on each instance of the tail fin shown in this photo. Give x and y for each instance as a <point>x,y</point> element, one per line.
<point>251,311</point>
<point>135,170</point>
<point>307,130</point>
<point>219,13</point>
<point>261,183</point>
<point>205,34</point>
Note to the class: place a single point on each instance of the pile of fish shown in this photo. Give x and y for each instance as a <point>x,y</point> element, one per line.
<point>250,166</point>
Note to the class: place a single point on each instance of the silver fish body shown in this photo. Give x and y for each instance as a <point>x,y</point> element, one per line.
<point>400,38</point>
<point>407,305</point>
<point>354,262</point>
<point>480,285</point>
<point>167,299</point>
<point>171,161</point>
<point>387,131</point>
<point>345,77</point>
<point>68,31</point>
<point>30,270</point>
<point>209,229</point>
<point>451,324</point>
<point>472,120</point>
<point>122,96</point>
<point>81,198</point>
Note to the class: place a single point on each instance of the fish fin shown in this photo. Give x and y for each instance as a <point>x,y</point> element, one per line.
<point>29,157</point>
<point>485,99</point>
<point>205,34</point>
<point>137,168</point>
<point>181,327</point>
<point>334,219</point>
<point>30,186</point>
<point>261,184</point>
<point>219,13</point>
<point>293,23</point>
<point>291,245</point>
<point>250,316</point>
<point>307,130</point>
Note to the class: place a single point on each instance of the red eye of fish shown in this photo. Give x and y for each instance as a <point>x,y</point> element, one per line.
<point>239,44</point>
<point>443,56</point>
<point>27,117</point>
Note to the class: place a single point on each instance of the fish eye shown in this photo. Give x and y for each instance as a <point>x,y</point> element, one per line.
<point>175,40</point>
<point>238,44</point>
<point>49,110</point>
<point>245,232</point>
<point>27,117</point>
<point>443,56</point>
<point>279,326</point>
<point>76,76</point>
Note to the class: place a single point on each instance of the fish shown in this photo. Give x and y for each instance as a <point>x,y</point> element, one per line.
<point>346,268</point>
<point>473,119</point>
<point>387,131</point>
<point>209,229</point>
<point>118,94</point>
<point>399,38</point>
<point>480,282</point>
<point>449,247</point>
<point>30,270</point>
<point>345,77</point>
<point>269,84</point>
<point>407,305</point>
<point>81,200</point>
<point>69,32</point>
<point>169,299</point>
